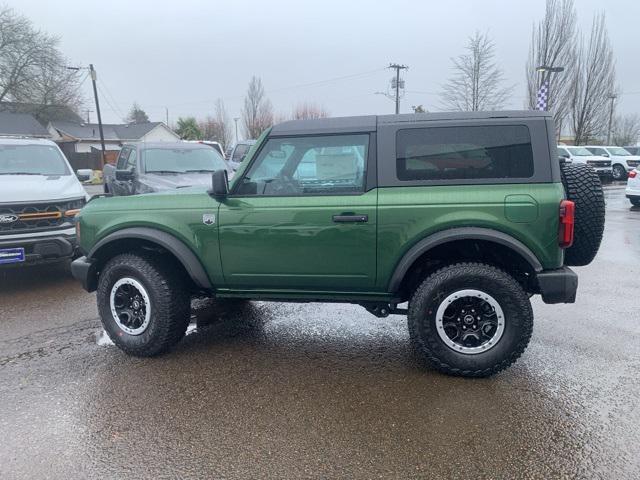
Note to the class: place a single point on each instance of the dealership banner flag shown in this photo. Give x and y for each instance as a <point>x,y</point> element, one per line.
<point>541,103</point>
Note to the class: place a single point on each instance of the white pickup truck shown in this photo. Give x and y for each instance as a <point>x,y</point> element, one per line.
<point>39,199</point>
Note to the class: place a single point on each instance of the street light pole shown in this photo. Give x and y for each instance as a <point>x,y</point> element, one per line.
<point>235,119</point>
<point>612,97</point>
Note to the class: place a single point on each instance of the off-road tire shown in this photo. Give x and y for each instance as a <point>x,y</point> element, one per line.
<point>169,299</point>
<point>582,186</point>
<point>518,319</point>
<point>635,202</point>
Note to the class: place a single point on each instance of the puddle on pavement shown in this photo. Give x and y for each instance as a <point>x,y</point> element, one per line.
<point>102,339</point>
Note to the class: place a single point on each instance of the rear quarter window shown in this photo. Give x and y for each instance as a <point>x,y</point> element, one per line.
<point>464,153</point>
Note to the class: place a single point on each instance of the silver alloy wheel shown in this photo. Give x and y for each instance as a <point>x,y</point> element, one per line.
<point>130,306</point>
<point>470,321</point>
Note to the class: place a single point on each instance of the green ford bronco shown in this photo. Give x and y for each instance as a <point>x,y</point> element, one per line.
<point>464,216</point>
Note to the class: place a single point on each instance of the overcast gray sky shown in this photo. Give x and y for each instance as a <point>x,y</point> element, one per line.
<point>185,54</point>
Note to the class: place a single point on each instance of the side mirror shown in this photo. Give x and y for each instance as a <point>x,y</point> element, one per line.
<point>605,155</point>
<point>125,175</point>
<point>219,183</point>
<point>83,174</point>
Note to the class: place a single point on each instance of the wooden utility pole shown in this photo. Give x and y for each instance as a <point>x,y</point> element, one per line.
<point>95,95</point>
<point>398,68</point>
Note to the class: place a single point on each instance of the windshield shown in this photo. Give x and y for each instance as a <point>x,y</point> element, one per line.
<point>32,160</point>
<point>181,160</point>
<point>580,152</point>
<point>620,152</point>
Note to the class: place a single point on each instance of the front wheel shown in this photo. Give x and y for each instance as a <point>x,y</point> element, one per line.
<point>470,319</point>
<point>635,201</point>
<point>143,304</point>
<point>619,172</point>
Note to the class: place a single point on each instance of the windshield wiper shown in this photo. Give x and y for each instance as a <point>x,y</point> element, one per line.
<point>202,170</point>
<point>164,171</point>
<point>23,173</point>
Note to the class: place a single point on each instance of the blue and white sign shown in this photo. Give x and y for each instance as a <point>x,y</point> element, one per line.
<point>11,255</point>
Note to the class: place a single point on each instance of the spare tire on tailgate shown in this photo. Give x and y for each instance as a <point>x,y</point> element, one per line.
<point>582,186</point>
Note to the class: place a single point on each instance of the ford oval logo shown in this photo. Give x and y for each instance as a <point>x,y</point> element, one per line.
<point>6,219</point>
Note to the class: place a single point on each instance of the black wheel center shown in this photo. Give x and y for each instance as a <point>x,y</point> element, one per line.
<point>468,319</point>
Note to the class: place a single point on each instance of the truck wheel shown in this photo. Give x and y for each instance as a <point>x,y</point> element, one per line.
<point>470,320</point>
<point>619,172</point>
<point>635,202</point>
<point>143,304</point>
<point>582,186</point>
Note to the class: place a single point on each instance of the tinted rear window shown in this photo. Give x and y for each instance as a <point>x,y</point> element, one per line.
<point>457,153</point>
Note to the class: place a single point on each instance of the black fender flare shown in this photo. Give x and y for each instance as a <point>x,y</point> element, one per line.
<point>454,234</point>
<point>177,247</point>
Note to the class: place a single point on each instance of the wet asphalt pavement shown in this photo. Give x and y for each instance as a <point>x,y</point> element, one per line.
<point>297,391</point>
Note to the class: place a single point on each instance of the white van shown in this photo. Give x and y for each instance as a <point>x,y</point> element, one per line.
<point>39,199</point>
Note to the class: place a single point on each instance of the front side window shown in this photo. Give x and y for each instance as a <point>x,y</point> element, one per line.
<point>464,153</point>
<point>333,164</point>
<point>32,160</point>
<point>240,152</point>
<point>122,158</point>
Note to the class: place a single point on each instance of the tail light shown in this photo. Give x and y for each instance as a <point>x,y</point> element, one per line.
<point>633,173</point>
<point>567,221</point>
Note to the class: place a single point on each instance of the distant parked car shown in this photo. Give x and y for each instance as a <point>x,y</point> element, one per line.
<point>151,167</point>
<point>622,161</point>
<point>240,151</point>
<point>602,165</point>
<point>633,150</point>
<point>211,144</point>
<point>633,187</point>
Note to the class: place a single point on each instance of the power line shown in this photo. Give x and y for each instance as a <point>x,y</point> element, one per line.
<point>282,89</point>
<point>104,87</point>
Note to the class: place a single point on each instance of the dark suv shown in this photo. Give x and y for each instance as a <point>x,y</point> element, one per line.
<point>462,215</point>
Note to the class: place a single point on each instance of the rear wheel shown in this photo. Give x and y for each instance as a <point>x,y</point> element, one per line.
<point>470,319</point>
<point>582,186</point>
<point>143,304</point>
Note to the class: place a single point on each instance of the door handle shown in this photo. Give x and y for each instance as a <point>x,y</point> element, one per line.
<point>350,218</point>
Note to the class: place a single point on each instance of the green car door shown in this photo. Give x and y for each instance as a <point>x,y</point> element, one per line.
<point>300,218</point>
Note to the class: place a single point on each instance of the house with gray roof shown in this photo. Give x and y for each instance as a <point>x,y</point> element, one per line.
<point>83,137</point>
<point>21,125</point>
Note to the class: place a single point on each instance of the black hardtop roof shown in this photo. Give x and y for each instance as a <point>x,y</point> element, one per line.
<point>368,123</point>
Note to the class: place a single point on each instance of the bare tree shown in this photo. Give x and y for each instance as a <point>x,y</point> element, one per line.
<point>592,84</point>
<point>626,130</point>
<point>477,82</point>
<point>218,127</point>
<point>307,110</point>
<point>553,44</point>
<point>32,68</point>
<point>257,113</point>
<point>224,132</point>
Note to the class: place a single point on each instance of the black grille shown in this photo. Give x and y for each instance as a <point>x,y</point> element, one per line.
<point>34,224</point>
<point>599,163</point>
